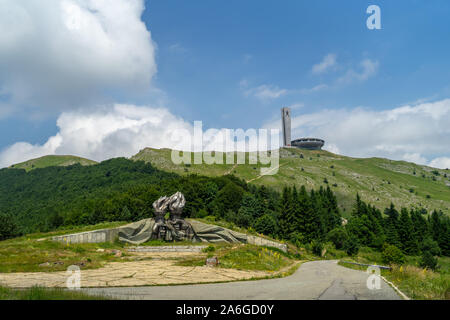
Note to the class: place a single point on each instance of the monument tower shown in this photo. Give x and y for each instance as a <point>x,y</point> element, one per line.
<point>286,122</point>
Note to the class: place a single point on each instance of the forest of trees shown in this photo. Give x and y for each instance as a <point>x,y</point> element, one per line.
<point>123,190</point>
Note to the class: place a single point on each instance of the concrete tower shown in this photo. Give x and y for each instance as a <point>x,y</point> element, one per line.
<point>286,122</point>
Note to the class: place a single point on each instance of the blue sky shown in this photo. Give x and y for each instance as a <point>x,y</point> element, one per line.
<point>207,47</point>
<point>236,63</point>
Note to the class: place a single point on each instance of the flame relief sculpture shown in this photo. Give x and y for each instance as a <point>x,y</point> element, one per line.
<point>175,227</point>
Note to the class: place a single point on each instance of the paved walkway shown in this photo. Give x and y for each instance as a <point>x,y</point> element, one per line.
<point>313,280</point>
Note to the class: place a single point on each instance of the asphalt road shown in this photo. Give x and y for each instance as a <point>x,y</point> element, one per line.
<point>313,280</point>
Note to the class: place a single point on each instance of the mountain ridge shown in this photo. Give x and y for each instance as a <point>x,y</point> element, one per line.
<point>379,181</point>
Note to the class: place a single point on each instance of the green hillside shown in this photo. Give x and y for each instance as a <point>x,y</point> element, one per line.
<point>53,160</point>
<point>378,181</point>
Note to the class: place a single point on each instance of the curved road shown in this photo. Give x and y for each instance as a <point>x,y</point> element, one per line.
<point>313,280</point>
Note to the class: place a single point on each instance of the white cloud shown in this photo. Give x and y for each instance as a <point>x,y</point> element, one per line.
<point>368,68</point>
<point>328,62</point>
<point>442,162</point>
<point>63,53</point>
<point>121,131</point>
<point>118,131</point>
<point>266,92</point>
<point>414,133</point>
<point>415,157</point>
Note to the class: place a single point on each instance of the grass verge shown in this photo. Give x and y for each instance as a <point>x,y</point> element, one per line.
<point>40,293</point>
<point>417,283</point>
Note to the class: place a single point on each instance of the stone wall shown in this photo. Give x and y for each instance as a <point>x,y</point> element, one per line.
<point>265,242</point>
<point>95,236</point>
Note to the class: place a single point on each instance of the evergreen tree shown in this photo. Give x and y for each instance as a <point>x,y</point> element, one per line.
<point>420,225</point>
<point>229,198</point>
<point>408,243</point>
<point>391,226</point>
<point>440,231</point>
<point>312,227</point>
<point>427,260</point>
<point>430,245</point>
<point>287,214</point>
<point>8,227</point>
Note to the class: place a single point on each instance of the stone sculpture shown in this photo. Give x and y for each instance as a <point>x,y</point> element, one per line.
<point>159,229</point>
<point>174,228</point>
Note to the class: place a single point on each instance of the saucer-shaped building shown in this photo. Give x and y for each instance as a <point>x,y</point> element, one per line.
<point>308,143</point>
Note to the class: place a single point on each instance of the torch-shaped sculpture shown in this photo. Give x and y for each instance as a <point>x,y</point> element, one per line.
<point>159,228</point>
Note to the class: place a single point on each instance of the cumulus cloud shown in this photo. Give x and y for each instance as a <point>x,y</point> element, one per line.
<point>64,53</point>
<point>441,162</point>
<point>418,133</point>
<point>328,62</point>
<point>122,130</point>
<point>118,131</point>
<point>368,68</point>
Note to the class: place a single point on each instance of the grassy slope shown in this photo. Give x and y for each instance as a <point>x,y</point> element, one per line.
<point>25,254</point>
<point>53,160</point>
<point>379,181</point>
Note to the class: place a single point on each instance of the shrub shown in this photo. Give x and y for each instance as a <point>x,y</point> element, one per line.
<point>337,236</point>
<point>266,224</point>
<point>8,227</point>
<point>427,260</point>
<point>210,218</point>
<point>297,238</point>
<point>351,246</point>
<point>317,247</point>
<point>209,248</point>
<point>430,245</point>
<point>392,255</point>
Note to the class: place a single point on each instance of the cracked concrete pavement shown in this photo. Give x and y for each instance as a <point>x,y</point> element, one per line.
<point>159,270</point>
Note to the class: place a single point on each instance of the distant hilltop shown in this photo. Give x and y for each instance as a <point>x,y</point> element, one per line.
<point>52,160</point>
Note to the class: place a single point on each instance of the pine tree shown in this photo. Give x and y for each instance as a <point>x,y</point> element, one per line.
<point>420,225</point>
<point>427,260</point>
<point>390,225</point>
<point>312,227</point>
<point>287,215</point>
<point>440,231</point>
<point>408,242</point>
